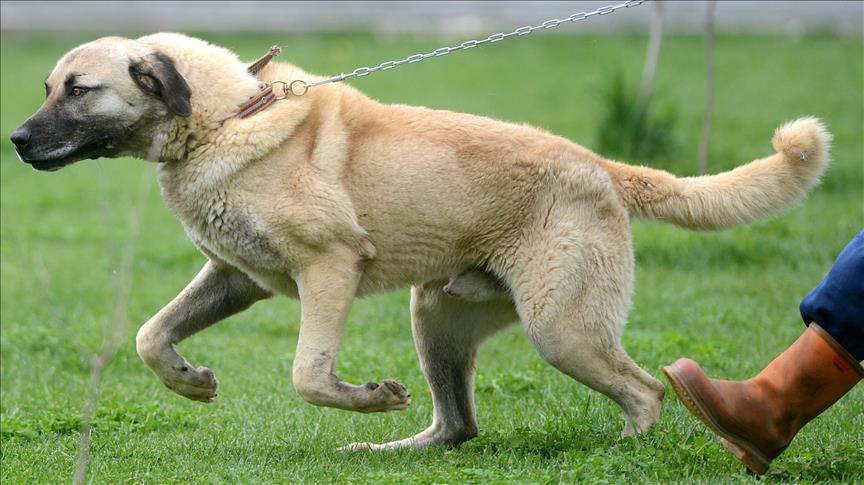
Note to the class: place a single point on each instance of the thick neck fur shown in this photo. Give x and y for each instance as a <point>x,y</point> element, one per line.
<point>186,144</point>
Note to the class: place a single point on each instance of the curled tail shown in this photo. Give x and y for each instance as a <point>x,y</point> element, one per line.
<point>758,189</point>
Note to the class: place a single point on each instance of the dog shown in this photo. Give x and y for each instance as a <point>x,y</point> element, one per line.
<point>332,195</point>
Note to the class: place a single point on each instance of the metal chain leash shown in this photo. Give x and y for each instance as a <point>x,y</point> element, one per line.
<point>299,87</point>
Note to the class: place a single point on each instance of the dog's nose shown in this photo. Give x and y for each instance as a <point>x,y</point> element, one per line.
<point>21,137</point>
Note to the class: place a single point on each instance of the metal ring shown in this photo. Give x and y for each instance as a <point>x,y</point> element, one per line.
<point>291,89</point>
<point>284,89</point>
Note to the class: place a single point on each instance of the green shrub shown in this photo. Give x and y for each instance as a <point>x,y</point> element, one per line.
<point>630,132</point>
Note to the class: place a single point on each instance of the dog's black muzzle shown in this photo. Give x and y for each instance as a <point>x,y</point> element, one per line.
<point>37,146</point>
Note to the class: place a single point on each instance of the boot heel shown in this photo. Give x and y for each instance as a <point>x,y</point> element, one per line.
<point>756,464</point>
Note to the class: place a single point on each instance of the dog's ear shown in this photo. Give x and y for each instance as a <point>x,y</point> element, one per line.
<point>156,75</point>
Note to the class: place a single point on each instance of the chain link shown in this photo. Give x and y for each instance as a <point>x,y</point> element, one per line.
<point>468,44</point>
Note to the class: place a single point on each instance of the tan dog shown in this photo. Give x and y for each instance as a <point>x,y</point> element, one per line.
<point>333,195</point>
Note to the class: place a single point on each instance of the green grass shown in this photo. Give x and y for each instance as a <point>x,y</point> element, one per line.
<point>727,299</point>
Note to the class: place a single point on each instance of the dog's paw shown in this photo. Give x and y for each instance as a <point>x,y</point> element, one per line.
<point>395,445</point>
<point>435,435</point>
<point>390,395</point>
<point>197,384</point>
<point>645,413</point>
<point>359,447</point>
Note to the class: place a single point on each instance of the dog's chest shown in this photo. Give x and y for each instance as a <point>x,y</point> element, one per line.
<point>219,222</point>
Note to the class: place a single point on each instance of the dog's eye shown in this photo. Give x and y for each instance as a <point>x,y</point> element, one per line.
<point>76,91</point>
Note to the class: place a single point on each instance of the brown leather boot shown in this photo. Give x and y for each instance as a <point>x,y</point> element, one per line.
<point>757,418</point>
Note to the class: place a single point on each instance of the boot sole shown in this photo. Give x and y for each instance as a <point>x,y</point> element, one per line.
<point>739,447</point>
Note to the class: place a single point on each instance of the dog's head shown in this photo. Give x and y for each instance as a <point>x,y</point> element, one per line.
<point>103,99</point>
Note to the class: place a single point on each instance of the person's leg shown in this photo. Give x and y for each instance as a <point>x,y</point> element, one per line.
<point>837,304</point>
<point>758,418</point>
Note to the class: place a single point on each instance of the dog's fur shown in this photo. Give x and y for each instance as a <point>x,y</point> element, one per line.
<point>333,195</point>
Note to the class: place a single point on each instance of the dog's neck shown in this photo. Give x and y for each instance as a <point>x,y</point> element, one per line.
<point>185,147</point>
<point>217,95</point>
<point>219,83</point>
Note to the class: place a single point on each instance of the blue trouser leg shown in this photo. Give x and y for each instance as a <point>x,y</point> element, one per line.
<point>837,304</point>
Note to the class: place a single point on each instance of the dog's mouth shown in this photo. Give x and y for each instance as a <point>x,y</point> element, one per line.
<point>91,150</point>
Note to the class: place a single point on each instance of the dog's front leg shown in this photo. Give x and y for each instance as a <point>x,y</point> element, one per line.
<point>216,293</point>
<point>326,289</point>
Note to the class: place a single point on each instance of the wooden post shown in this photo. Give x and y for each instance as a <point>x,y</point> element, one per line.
<point>708,115</point>
<point>652,57</point>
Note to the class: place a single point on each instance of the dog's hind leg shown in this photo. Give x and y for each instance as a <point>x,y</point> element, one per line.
<point>572,286</point>
<point>447,333</point>
<point>217,292</point>
<point>597,360</point>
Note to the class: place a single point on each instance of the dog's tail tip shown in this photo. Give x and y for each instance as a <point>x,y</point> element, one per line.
<point>805,139</point>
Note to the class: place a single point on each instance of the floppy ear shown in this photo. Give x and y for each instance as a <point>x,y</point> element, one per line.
<point>156,75</point>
